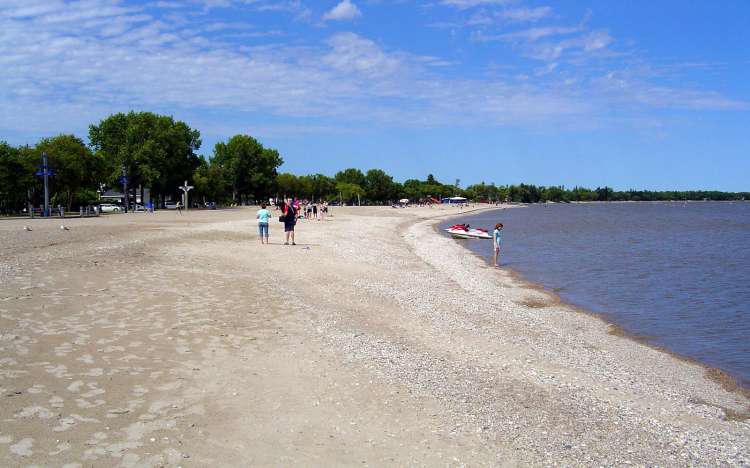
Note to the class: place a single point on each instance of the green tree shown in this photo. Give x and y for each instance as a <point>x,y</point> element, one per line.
<point>604,193</point>
<point>351,176</point>
<point>412,189</point>
<point>349,192</point>
<point>248,167</point>
<point>379,185</point>
<point>155,150</point>
<point>16,178</point>
<point>289,185</point>
<point>555,194</point>
<point>482,192</point>
<point>416,189</point>
<point>210,184</point>
<point>77,170</point>
<point>582,194</point>
<point>321,187</point>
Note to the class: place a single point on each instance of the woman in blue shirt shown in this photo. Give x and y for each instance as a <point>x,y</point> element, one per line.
<point>497,240</point>
<point>263,216</point>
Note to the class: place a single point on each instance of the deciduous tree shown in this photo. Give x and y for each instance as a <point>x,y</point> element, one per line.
<point>248,167</point>
<point>76,167</point>
<point>16,178</point>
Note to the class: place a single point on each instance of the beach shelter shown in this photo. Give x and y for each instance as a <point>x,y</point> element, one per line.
<point>455,200</point>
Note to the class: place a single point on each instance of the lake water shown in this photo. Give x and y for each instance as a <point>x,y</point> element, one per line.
<point>675,273</point>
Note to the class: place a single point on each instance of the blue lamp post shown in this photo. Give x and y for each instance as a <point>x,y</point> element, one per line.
<point>45,172</point>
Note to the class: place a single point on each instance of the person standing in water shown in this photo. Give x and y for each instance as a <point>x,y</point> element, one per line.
<point>263,216</point>
<point>497,240</point>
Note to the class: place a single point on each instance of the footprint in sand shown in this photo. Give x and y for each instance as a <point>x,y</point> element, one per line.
<point>31,411</point>
<point>94,372</point>
<point>23,447</point>
<point>94,390</point>
<point>38,388</point>
<point>56,402</point>
<point>75,386</point>
<point>86,359</point>
<point>63,349</point>
<point>59,371</point>
<point>61,447</point>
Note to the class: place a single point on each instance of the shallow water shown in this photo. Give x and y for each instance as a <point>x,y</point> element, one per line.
<point>676,273</point>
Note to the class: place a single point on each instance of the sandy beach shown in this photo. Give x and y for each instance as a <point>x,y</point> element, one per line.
<point>168,340</point>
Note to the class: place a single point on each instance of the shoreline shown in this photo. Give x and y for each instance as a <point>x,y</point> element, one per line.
<point>550,299</point>
<point>721,376</point>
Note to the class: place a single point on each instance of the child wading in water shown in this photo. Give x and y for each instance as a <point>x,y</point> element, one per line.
<point>497,240</point>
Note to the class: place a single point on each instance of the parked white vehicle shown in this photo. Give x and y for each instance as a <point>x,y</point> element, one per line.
<point>170,205</point>
<point>109,208</point>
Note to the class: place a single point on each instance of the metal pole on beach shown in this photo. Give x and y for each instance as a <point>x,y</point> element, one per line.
<point>124,180</point>
<point>186,188</point>
<point>45,172</point>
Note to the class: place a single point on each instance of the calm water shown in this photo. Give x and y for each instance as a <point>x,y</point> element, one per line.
<point>677,273</point>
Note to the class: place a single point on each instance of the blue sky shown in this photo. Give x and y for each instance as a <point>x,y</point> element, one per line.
<point>635,94</point>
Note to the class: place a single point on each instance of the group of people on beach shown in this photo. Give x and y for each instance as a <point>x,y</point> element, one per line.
<point>289,212</point>
<point>288,215</point>
<point>316,211</point>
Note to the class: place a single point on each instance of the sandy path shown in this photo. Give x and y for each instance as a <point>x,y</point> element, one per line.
<point>148,340</point>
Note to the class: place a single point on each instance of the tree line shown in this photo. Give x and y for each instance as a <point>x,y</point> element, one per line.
<point>144,149</point>
<point>526,193</point>
<point>160,153</point>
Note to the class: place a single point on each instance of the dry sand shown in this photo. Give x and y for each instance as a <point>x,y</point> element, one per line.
<point>159,339</point>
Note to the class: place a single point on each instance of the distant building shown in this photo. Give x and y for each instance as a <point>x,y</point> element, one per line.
<point>114,196</point>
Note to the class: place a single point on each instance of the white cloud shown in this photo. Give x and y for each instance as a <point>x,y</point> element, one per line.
<point>353,53</point>
<point>526,14</point>
<point>539,42</point>
<point>591,42</point>
<point>532,34</point>
<point>344,11</point>
<point>167,4</point>
<point>464,4</point>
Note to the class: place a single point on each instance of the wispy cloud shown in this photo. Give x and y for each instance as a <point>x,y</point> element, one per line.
<point>526,14</point>
<point>588,43</point>
<point>465,4</point>
<point>528,35</point>
<point>343,11</point>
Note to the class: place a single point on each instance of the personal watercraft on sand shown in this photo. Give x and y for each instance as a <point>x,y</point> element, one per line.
<point>464,231</point>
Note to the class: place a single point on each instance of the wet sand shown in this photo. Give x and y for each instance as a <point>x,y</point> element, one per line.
<point>159,339</point>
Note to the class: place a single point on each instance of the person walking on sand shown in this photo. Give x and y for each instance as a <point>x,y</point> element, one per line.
<point>179,208</point>
<point>497,240</point>
<point>263,216</point>
<point>290,219</point>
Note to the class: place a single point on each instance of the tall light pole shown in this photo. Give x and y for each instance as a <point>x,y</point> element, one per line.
<point>186,188</point>
<point>45,172</point>
<point>124,181</point>
<point>45,169</point>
